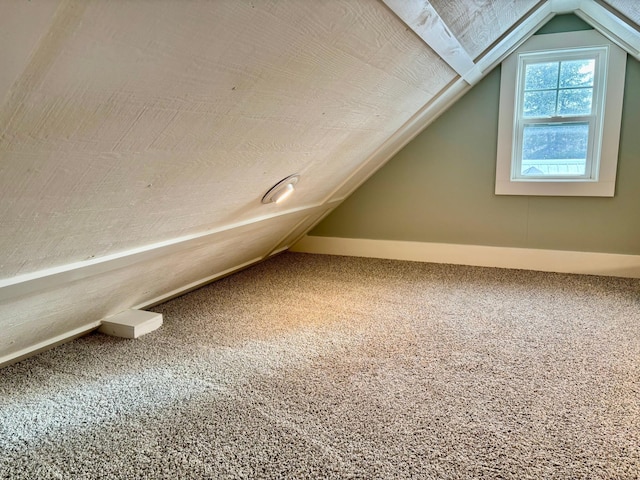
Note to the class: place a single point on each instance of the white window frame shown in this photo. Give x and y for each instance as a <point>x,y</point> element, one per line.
<point>602,154</point>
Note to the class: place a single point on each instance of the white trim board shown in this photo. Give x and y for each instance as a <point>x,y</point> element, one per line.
<point>612,27</point>
<point>588,263</point>
<point>53,277</point>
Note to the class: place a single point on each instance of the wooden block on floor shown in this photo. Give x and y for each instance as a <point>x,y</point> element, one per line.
<point>131,323</point>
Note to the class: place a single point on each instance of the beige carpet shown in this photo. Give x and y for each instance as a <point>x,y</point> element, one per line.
<point>310,366</point>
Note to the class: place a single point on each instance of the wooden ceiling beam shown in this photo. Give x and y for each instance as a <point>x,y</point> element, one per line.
<point>423,19</point>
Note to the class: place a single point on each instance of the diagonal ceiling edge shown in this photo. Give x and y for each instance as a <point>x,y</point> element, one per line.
<point>611,25</point>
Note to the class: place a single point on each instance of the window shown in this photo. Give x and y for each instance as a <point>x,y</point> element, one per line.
<point>557,116</point>
<point>560,111</point>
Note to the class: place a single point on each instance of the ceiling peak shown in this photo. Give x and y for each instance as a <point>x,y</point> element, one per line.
<point>564,6</point>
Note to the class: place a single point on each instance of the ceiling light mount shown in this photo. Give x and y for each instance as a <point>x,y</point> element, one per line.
<point>281,190</point>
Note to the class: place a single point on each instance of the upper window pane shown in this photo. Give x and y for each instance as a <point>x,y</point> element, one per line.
<point>577,73</point>
<point>541,103</point>
<point>575,101</point>
<point>561,88</point>
<point>540,76</point>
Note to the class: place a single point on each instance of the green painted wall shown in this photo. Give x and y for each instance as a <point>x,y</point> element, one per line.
<point>440,188</point>
<point>564,23</point>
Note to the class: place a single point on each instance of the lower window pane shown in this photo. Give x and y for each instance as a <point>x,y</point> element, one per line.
<point>554,149</point>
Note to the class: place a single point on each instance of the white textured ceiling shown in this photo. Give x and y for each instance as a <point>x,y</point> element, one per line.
<point>629,8</point>
<point>127,125</point>
<point>136,122</point>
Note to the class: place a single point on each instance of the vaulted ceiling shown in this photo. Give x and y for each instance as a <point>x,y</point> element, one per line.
<point>138,138</point>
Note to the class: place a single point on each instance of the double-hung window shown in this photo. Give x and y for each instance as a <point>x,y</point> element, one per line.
<point>560,111</point>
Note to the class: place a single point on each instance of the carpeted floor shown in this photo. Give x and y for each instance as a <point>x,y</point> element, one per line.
<point>310,366</point>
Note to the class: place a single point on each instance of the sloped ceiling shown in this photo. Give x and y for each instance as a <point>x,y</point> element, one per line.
<point>626,7</point>
<point>138,138</point>
<point>137,122</point>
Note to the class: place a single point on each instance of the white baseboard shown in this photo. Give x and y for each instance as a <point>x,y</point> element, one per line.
<point>589,263</point>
